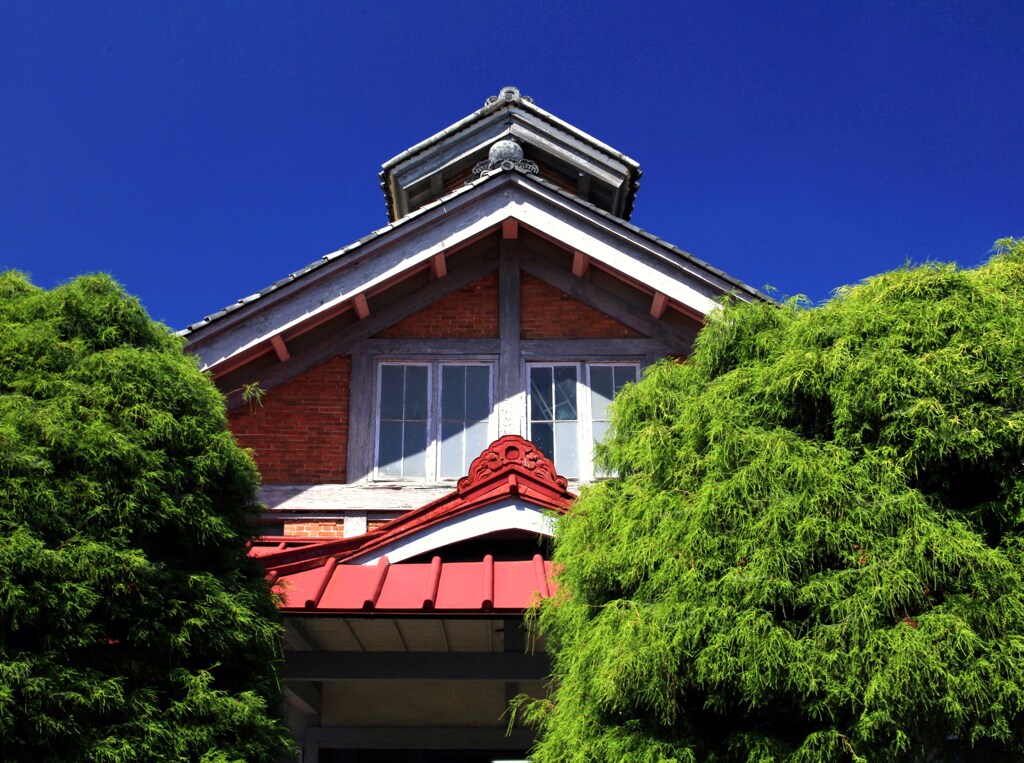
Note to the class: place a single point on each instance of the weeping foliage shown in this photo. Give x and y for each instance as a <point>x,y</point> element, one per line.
<point>132,625</point>
<point>814,550</point>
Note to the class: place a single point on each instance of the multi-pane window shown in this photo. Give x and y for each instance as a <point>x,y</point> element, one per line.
<point>554,415</point>
<point>568,407</point>
<point>404,418</point>
<point>433,418</point>
<point>465,410</point>
<point>605,383</point>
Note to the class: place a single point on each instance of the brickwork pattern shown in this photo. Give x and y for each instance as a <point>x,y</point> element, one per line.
<point>315,529</point>
<point>547,313</point>
<point>469,313</point>
<point>299,434</point>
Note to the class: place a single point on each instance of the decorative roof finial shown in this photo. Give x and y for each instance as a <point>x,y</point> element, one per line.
<point>506,154</point>
<point>508,94</point>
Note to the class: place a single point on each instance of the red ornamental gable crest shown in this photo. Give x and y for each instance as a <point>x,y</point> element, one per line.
<point>508,453</point>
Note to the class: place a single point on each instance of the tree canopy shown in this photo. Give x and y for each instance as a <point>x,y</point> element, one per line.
<point>132,624</point>
<point>814,550</point>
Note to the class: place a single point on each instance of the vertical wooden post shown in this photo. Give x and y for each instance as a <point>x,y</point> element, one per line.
<point>511,390</point>
<point>361,435</point>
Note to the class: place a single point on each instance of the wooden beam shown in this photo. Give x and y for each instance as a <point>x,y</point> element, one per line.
<point>580,264</point>
<point>437,184</point>
<point>511,386</point>
<point>438,267</point>
<point>280,348</point>
<point>361,439</point>
<point>426,666</point>
<point>419,738</point>
<point>299,637</point>
<point>333,345</point>
<point>361,306</point>
<point>413,348</point>
<point>510,228</point>
<point>585,349</point>
<point>583,186</point>
<point>678,339</point>
<point>658,305</point>
<point>303,695</point>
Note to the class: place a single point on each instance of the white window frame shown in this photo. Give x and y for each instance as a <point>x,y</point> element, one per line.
<point>584,408</point>
<point>433,451</point>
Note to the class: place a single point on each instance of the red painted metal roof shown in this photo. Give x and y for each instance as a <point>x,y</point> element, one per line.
<point>437,586</point>
<point>326,576</point>
<point>510,467</point>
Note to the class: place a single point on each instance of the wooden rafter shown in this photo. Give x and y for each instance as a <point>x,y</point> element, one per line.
<point>280,348</point>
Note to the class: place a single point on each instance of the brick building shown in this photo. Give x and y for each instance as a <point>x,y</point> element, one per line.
<point>432,395</point>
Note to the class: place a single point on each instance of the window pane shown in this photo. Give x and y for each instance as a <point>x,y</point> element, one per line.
<point>453,392</point>
<point>391,391</point>
<point>416,393</point>
<point>389,449</point>
<point>476,441</point>
<point>415,450</point>
<point>566,462</point>
<point>600,430</point>
<point>451,450</point>
<point>478,394</point>
<point>565,393</point>
<point>540,394</point>
<point>624,375</point>
<point>602,389</point>
<point>543,438</point>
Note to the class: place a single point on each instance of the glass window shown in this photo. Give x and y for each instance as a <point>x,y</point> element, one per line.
<point>465,410</point>
<point>605,383</point>
<point>569,412</point>
<point>433,419</point>
<point>402,434</point>
<point>554,421</point>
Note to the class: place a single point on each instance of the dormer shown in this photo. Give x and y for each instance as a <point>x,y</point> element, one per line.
<point>511,133</point>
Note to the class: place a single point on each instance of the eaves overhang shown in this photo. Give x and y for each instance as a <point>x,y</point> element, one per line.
<point>422,172</point>
<point>338,281</point>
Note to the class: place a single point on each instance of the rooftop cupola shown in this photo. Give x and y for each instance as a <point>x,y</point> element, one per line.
<point>511,133</point>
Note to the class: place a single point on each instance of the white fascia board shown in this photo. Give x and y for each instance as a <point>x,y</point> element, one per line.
<point>577,133</point>
<point>446,226</point>
<point>618,248</point>
<point>504,515</point>
<point>466,141</point>
<point>579,160</point>
<point>524,126</point>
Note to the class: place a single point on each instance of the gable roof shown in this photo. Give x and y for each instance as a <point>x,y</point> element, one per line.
<point>333,575</point>
<point>338,281</point>
<point>552,147</point>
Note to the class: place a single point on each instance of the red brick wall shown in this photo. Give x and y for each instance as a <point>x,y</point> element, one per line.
<point>547,313</point>
<point>315,529</point>
<point>300,432</point>
<point>469,313</point>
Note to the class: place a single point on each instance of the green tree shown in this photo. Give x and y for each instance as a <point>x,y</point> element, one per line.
<point>133,627</point>
<point>814,550</point>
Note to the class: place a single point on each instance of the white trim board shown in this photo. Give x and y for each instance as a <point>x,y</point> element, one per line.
<point>503,515</point>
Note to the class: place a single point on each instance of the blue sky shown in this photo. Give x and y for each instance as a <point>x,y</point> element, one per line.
<point>200,151</point>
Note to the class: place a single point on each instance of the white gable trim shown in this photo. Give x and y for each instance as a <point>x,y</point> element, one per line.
<point>504,515</point>
<point>456,221</point>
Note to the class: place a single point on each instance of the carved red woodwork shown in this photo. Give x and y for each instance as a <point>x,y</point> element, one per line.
<point>506,454</point>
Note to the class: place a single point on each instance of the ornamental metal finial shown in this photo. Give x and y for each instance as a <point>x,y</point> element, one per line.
<point>506,154</point>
